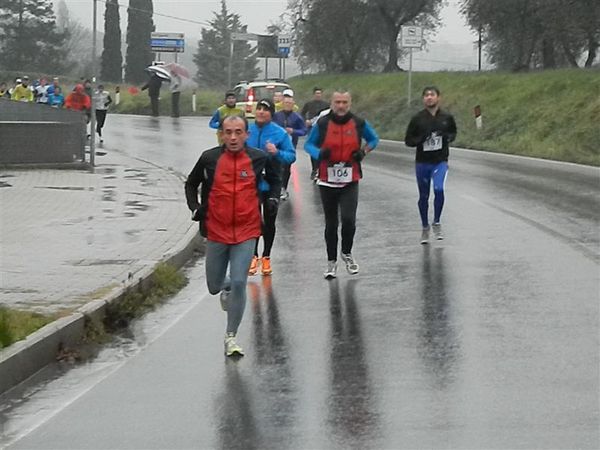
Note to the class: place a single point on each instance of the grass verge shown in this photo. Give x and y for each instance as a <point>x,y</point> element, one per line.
<point>16,325</point>
<point>137,300</point>
<point>166,281</point>
<point>549,114</point>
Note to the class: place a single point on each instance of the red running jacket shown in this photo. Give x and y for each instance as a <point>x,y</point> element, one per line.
<point>229,205</point>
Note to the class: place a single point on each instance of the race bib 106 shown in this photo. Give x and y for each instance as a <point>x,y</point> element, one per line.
<point>339,173</point>
<point>433,143</point>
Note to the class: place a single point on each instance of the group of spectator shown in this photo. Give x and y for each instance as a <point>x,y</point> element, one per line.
<point>81,98</point>
<point>40,91</point>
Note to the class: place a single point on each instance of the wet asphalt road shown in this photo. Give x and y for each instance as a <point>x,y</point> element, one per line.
<point>488,339</point>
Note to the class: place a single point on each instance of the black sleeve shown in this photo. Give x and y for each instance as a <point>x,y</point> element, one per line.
<point>273,171</point>
<point>451,132</point>
<point>413,137</point>
<point>194,180</point>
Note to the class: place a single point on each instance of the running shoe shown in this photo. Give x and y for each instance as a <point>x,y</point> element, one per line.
<point>231,346</point>
<point>314,174</point>
<point>253,266</point>
<point>351,265</point>
<point>425,236</point>
<point>331,271</point>
<point>437,231</point>
<point>284,194</point>
<point>266,265</point>
<point>225,294</point>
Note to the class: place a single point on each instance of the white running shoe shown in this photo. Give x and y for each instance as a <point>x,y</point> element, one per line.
<point>284,194</point>
<point>231,346</point>
<point>437,231</point>
<point>425,236</point>
<point>351,265</point>
<point>331,271</point>
<point>225,294</point>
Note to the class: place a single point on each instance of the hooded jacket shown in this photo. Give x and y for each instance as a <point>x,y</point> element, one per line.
<point>229,204</point>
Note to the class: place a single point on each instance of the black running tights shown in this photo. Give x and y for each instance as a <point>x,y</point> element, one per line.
<point>344,200</point>
<point>269,214</point>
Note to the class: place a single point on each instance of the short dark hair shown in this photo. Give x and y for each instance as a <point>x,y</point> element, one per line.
<point>316,88</point>
<point>230,94</point>
<point>431,88</point>
<point>234,117</point>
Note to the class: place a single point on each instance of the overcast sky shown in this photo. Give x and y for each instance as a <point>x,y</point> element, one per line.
<point>256,14</point>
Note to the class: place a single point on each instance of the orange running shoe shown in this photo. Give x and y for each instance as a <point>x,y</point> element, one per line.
<point>253,266</point>
<point>266,265</point>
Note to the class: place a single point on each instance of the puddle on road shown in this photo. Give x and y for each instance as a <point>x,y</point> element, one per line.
<point>136,205</point>
<point>65,188</point>
<point>132,235</point>
<point>5,184</point>
<point>102,262</point>
<point>108,193</point>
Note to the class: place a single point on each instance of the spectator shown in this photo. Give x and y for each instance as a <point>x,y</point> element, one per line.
<point>52,87</point>
<point>153,85</point>
<point>21,92</point>
<point>56,99</point>
<point>41,91</point>
<point>78,100</point>
<point>175,94</point>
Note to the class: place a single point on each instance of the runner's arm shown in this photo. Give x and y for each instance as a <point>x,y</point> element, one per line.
<point>413,137</point>
<point>215,120</point>
<point>194,179</point>
<point>370,136</point>
<point>273,176</point>
<point>451,133</point>
<point>311,145</point>
<point>286,151</point>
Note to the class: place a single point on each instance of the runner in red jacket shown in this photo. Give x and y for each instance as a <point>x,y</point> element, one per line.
<point>229,215</point>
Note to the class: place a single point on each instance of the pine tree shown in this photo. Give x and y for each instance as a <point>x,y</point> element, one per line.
<point>112,59</point>
<point>139,30</point>
<point>212,57</point>
<point>29,39</point>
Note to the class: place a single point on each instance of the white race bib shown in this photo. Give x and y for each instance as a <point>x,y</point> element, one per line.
<point>339,173</point>
<point>433,143</point>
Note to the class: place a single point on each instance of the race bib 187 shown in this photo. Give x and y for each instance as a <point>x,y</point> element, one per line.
<point>339,173</point>
<point>433,143</point>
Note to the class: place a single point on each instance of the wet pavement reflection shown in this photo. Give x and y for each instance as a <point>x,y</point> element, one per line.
<point>487,339</point>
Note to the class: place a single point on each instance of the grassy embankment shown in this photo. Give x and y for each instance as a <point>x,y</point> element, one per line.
<point>16,325</point>
<point>551,114</point>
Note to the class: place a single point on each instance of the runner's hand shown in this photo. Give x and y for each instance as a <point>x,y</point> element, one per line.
<point>271,148</point>
<point>358,155</point>
<point>198,215</point>
<point>325,154</point>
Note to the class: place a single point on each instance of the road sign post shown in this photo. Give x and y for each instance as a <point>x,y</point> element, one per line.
<point>411,38</point>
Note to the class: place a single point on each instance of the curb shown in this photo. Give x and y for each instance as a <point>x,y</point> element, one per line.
<point>24,358</point>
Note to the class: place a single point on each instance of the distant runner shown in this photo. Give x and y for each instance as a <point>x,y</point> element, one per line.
<point>310,112</point>
<point>431,130</point>
<point>226,110</point>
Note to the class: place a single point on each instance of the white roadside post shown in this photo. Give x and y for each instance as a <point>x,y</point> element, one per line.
<point>411,37</point>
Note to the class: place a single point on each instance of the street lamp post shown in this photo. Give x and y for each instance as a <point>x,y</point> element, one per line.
<point>93,115</point>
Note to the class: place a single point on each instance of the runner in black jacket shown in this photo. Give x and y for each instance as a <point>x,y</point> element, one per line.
<point>431,131</point>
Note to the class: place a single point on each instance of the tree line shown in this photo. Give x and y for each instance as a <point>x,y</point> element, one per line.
<point>35,39</point>
<point>330,35</point>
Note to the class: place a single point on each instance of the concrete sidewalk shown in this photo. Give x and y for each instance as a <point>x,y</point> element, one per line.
<point>70,240</point>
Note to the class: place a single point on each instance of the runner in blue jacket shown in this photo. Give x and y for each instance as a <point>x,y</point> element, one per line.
<point>294,125</point>
<point>271,138</point>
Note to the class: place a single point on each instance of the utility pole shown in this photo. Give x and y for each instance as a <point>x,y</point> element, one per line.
<point>93,114</point>
<point>479,42</point>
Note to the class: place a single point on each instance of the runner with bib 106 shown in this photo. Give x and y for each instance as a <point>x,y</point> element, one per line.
<point>335,141</point>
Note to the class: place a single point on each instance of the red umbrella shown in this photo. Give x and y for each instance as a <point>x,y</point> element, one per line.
<point>133,90</point>
<point>178,69</point>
